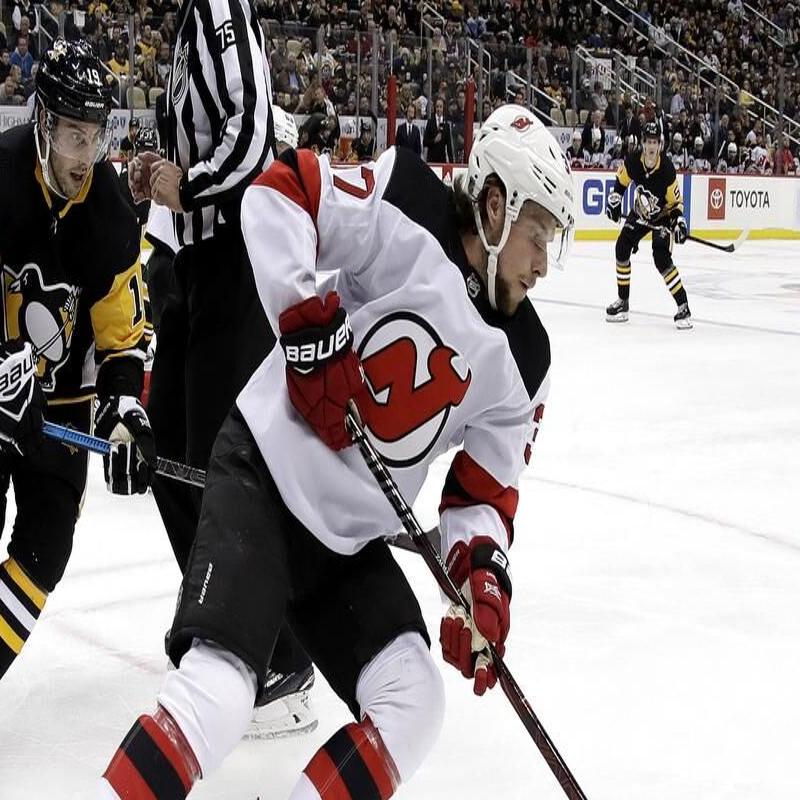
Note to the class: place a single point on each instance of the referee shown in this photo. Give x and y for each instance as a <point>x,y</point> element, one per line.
<point>213,332</point>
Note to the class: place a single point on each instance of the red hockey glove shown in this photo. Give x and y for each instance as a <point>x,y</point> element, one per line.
<point>480,569</point>
<point>323,373</point>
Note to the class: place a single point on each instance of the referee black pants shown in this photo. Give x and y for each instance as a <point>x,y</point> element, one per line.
<point>212,335</point>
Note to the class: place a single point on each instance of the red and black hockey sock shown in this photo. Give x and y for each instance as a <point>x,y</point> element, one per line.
<point>354,764</point>
<point>21,602</point>
<point>624,280</point>
<point>672,278</point>
<point>154,761</point>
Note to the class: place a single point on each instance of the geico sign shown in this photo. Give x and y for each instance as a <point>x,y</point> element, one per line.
<point>594,194</point>
<point>747,198</point>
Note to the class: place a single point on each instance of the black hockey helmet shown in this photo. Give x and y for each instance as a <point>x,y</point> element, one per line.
<point>316,133</point>
<point>651,130</point>
<point>71,82</point>
<point>146,140</point>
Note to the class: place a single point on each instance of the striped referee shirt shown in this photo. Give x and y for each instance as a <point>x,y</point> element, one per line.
<point>218,111</point>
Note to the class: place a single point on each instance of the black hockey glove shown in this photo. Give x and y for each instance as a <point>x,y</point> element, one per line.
<point>129,467</point>
<point>614,206</point>
<point>21,398</point>
<point>680,231</point>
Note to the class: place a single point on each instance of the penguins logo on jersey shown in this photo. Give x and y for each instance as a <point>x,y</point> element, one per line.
<point>42,314</point>
<point>646,203</point>
<point>414,380</point>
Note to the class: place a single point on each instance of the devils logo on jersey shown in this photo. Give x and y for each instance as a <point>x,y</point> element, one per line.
<point>42,314</point>
<point>414,379</point>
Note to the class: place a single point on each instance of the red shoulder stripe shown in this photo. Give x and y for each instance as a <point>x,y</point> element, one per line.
<point>298,178</point>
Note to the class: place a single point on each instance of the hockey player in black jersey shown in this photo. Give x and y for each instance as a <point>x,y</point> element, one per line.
<point>72,325</point>
<point>658,208</point>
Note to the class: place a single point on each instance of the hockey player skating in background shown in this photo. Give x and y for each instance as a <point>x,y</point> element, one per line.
<point>73,302</point>
<point>436,280</point>
<point>658,208</point>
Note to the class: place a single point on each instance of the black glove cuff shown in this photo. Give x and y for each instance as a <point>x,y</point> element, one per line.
<point>308,349</point>
<point>490,556</point>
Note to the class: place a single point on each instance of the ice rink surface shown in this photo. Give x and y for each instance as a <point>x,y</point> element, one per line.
<point>656,566</point>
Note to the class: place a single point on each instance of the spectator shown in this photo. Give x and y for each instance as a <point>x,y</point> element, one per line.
<point>10,93</point>
<point>5,64</point>
<point>289,78</point>
<point>22,58</point>
<point>119,64</point>
<point>599,99</point>
<point>593,137</point>
<point>408,134</point>
<point>438,136</point>
<point>25,8</point>
<point>364,146</point>
<point>163,65</point>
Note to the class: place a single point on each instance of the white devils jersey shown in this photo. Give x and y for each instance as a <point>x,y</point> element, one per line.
<point>699,164</point>
<point>442,368</point>
<point>678,159</point>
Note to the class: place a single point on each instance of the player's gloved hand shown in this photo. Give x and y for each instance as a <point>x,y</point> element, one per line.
<point>480,570</point>
<point>21,398</point>
<point>130,465</point>
<point>680,230</point>
<point>614,206</point>
<point>323,372</point>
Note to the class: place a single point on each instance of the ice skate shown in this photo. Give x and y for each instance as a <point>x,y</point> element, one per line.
<point>683,319</point>
<point>283,709</point>
<point>617,311</point>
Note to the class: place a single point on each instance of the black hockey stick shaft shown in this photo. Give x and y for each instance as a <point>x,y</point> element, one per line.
<point>434,561</point>
<point>94,444</point>
<point>725,248</point>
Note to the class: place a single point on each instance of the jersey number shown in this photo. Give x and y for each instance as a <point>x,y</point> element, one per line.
<point>357,191</point>
<point>226,35</point>
<point>136,293</point>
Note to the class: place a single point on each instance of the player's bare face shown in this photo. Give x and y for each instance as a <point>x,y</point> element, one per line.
<point>523,259</point>
<point>650,148</point>
<point>74,148</point>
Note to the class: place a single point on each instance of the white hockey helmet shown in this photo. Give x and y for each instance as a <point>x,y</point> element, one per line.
<point>285,127</point>
<point>514,145</point>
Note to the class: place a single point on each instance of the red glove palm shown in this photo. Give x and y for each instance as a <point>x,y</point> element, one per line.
<point>323,372</point>
<point>480,570</point>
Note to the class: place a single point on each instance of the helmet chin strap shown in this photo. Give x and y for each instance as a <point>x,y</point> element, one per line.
<point>493,252</point>
<point>44,159</point>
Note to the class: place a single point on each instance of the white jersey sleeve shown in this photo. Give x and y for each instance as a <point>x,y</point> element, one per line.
<point>334,217</point>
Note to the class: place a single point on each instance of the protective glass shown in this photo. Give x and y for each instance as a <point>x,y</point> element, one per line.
<point>78,140</point>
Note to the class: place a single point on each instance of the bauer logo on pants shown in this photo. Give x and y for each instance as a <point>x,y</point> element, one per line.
<point>716,198</point>
<point>414,380</point>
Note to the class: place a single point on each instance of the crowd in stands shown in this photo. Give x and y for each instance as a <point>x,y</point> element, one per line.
<point>334,57</point>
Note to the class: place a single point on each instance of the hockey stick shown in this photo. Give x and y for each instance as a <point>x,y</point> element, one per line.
<point>170,469</point>
<point>434,561</point>
<point>725,248</point>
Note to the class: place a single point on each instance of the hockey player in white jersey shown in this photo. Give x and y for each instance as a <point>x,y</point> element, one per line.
<point>441,347</point>
<point>698,162</point>
<point>576,155</point>
<point>677,153</point>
